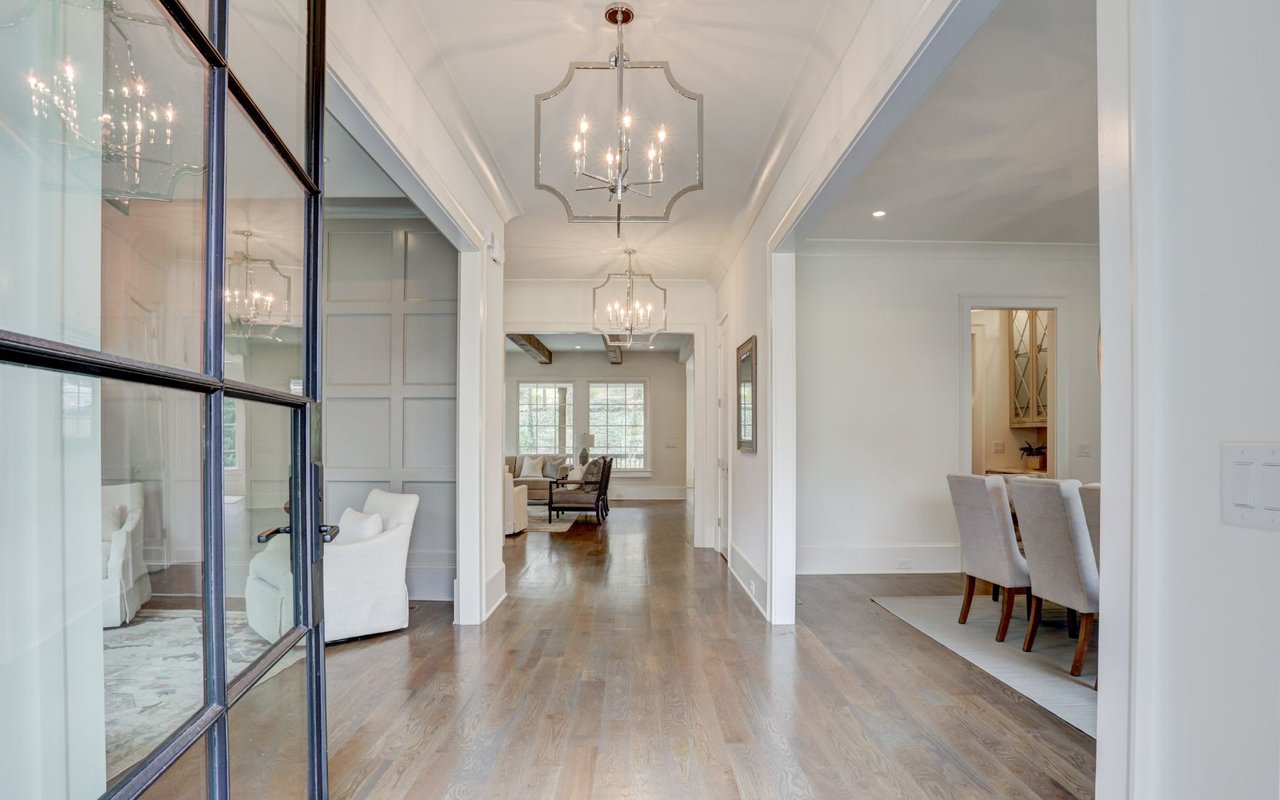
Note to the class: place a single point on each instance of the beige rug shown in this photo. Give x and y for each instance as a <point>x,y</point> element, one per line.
<point>1042,675</point>
<point>538,520</point>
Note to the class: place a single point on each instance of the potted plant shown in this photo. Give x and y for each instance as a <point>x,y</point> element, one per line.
<point>1034,455</point>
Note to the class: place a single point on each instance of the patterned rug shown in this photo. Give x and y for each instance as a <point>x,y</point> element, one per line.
<point>154,674</point>
<point>538,520</point>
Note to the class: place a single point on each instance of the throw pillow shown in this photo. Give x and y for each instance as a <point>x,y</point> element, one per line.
<point>552,468</point>
<point>593,469</point>
<point>357,526</point>
<point>532,468</point>
<point>575,477</point>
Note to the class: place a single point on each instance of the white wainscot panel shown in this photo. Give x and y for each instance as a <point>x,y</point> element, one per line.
<point>430,268</point>
<point>341,495</point>
<point>358,349</point>
<point>357,432</point>
<point>430,349</point>
<point>360,265</point>
<point>429,431</point>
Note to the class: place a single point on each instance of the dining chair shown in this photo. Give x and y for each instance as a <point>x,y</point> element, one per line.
<point>1055,534</point>
<point>1091,499</point>
<point>988,544</point>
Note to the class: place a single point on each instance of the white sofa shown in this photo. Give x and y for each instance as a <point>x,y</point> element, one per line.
<point>364,582</point>
<point>515,506</point>
<point>126,584</point>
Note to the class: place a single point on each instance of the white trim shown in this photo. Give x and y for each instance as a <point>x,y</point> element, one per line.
<point>1061,379</point>
<point>622,491</point>
<point>740,564</point>
<point>495,589</point>
<point>877,559</point>
<point>780,436</point>
<point>943,250</point>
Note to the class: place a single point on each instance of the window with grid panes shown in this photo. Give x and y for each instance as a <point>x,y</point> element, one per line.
<point>617,420</point>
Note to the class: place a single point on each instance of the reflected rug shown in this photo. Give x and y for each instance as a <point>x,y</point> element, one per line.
<point>1043,675</point>
<point>154,673</point>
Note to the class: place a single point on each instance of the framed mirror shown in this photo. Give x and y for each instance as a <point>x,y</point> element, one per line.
<point>746,371</point>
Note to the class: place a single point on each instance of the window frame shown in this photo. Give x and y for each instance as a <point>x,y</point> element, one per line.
<point>569,406</point>
<point>646,470</point>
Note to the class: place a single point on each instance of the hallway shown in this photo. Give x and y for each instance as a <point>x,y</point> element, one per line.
<point>625,664</point>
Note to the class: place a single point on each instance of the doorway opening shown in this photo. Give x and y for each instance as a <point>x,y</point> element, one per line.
<point>1011,405</point>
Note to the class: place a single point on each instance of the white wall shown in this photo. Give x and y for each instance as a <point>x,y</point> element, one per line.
<point>564,306</point>
<point>1189,170</point>
<point>666,399</point>
<point>881,409</point>
<point>891,34</point>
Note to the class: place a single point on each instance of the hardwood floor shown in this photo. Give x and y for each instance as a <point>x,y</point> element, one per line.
<point>626,664</point>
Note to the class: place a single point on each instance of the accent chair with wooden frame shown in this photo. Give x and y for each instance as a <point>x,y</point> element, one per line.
<point>590,494</point>
<point>988,543</point>
<point>1055,532</point>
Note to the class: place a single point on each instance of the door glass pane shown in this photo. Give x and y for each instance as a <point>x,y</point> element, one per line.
<point>267,51</point>
<point>186,779</point>
<point>102,160</point>
<point>262,302</point>
<point>268,737</point>
<point>101,648</point>
<point>259,577</point>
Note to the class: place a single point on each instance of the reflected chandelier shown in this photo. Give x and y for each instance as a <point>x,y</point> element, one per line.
<point>247,307</point>
<point>629,307</point>
<point>624,164</point>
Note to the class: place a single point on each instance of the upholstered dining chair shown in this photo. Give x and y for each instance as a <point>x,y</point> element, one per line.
<point>988,544</point>
<point>1091,499</point>
<point>1060,555</point>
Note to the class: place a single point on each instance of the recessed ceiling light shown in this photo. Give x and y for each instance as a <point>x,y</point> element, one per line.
<point>650,347</point>
<point>577,347</point>
<point>877,214</point>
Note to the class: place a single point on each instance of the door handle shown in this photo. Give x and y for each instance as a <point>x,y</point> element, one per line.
<point>267,535</point>
<point>329,532</point>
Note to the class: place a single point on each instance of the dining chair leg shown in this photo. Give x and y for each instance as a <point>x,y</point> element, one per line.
<point>969,585</point>
<point>1033,624</point>
<point>995,593</point>
<point>1082,644</point>
<point>1073,623</point>
<point>1006,612</point>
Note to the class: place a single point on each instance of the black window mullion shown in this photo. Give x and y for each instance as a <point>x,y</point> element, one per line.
<point>217,750</point>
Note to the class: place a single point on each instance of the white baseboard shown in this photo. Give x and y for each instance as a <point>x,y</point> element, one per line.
<point>495,588</point>
<point>623,492</point>
<point>749,577</point>
<point>877,559</point>
<point>431,582</point>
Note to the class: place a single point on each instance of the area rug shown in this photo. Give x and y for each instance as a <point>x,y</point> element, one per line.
<point>154,673</point>
<point>538,520</point>
<point>1042,675</point>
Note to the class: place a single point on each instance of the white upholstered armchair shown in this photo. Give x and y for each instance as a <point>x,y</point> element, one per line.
<point>988,543</point>
<point>364,574</point>
<point>126,584</point>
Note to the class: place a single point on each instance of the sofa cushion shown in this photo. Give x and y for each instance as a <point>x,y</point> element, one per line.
<point>532,468</point>
<point>576,497</point>
<point>357,526</point>
<point>533,483</point>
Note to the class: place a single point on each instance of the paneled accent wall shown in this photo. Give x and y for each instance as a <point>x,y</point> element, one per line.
<point>390,382</point>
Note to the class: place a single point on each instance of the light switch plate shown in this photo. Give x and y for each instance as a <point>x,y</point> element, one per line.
<point>1249,484</point>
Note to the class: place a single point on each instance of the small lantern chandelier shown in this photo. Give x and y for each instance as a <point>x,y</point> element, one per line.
<point>651,155</point>
<point>249,307</point>
<point>629,307</point>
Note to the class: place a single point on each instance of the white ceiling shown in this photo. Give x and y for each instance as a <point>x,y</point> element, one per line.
<point>759,63</point>
<point>593,343</point>
<point>1003,148</point>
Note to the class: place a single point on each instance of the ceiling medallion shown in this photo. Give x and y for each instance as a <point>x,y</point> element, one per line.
<point>629,307</point>
<point>623,130</point>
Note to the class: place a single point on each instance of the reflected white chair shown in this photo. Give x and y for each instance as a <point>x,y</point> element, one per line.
<point>1091,499</point>
<point>988,544</point>
<point>126,584</point>
<point>1060,555</point>
<point>365,591</point>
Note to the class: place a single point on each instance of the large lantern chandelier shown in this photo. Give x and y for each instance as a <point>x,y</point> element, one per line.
<point>251,310</point>
<point>622,156</point>
<point>629,307</point>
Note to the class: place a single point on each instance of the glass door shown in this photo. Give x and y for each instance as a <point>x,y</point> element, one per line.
<point>161,623</point>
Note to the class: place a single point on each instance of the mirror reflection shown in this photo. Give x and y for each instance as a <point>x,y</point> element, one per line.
<point>746,396</point>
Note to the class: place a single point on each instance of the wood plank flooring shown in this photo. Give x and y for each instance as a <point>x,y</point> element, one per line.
<point>624,664</point>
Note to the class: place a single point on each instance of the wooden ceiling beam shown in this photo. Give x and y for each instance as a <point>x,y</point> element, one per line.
<point>613,352</point>
<point>532,345</point>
